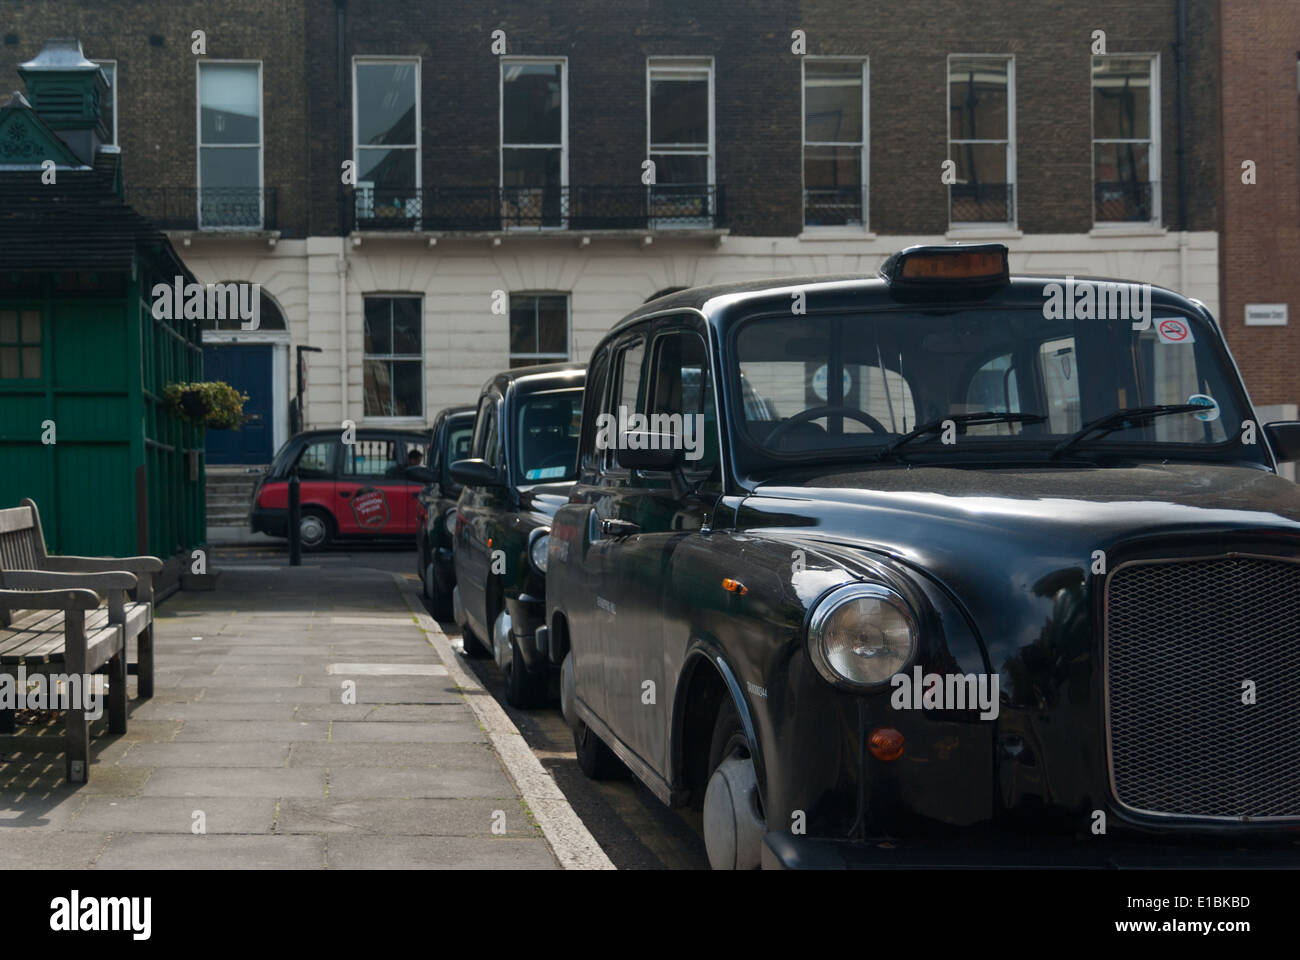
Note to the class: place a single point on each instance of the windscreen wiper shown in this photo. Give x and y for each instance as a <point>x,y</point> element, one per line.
<point>937,426</point>
<point>1120,420</point>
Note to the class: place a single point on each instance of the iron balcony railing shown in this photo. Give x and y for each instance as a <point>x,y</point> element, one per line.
<point>1119,201</point>
<point>834,206</point>
<point>206,208</point>
<point>489,209</point>
<point>982,203</point>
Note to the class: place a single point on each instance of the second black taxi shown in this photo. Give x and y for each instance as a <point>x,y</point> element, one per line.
<point>520,470</point>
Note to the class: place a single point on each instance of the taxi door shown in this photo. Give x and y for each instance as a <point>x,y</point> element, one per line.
<point>649,519</point>
<point>372,493</point>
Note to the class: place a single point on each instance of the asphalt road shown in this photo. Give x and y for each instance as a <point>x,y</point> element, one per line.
<point>635,830</point>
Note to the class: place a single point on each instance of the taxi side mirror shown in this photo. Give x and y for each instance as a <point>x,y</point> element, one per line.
<point>1284,438</point>
<point>649,451</point>
<point>476,472</point>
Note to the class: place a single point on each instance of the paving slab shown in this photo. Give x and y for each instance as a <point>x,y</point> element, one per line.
<point>351,852</point>
<point>243,815</point>
<point>160,851</point>
<point>402,817</point>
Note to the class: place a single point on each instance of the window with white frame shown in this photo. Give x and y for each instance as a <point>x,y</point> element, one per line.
<point>534,142</point>
<point>109,107</point>
<point>386,137</point>
<point>834,142</point>
<point>982,139</point>
<point>393,375</point>
<point>230,145</point>
<point>680,143</point>
<point>539,328</point>
<point>1125,139</point>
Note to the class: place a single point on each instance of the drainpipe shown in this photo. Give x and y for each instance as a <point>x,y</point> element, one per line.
<point>343,326</point>
<point>340,11</point>
<point>1180,60</point>
<point>340,66</point>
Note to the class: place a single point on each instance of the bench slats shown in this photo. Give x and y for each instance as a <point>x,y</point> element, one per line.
<point>30,636</point>
<point>38,648</point>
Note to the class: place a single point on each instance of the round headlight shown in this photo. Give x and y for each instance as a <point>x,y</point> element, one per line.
<point>861,635</point>
<point>449,522</point>
<point>537,552</point>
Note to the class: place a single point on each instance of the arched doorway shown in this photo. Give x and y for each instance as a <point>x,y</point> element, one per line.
<point>255,362</point>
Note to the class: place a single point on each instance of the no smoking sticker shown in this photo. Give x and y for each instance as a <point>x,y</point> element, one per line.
<point>1173,330</point>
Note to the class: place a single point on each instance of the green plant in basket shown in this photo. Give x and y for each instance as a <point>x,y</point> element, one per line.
<point>214,404</point>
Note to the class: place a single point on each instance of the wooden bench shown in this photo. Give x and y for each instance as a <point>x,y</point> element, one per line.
<point>52,621</point>
<point>55,640</point>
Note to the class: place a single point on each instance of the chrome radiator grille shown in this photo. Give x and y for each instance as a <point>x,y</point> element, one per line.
<point>1182,637</point>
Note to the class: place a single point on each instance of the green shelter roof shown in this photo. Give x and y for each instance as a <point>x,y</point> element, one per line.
<point>78,222</point>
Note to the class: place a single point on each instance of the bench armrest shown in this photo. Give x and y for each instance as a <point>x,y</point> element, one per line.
<point>67,564</point>
<point>50,580</point>
<point>49,599</point>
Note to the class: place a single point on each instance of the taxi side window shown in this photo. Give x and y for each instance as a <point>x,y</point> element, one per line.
<point>314,461</point>
<point>627,396</point>
<point>683,399</point>
<point>593,403</point>
<point>487,444</point>
<point>370,457</point>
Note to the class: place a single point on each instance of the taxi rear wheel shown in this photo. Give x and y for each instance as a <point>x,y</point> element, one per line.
<point>733,816</point>
<point>314,530</point>
<point>596,760</point>
<point>439,600</point>
<point>524,689</point>
<point>473,649</point>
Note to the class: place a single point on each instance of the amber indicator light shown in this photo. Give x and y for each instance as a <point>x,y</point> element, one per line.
<point>734,586</point>
<point>885,743</point>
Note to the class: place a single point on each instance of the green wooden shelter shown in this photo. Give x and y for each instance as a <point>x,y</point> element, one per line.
<point>83,362</point>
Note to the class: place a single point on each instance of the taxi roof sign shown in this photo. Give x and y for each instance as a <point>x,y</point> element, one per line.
<point>948,264</point>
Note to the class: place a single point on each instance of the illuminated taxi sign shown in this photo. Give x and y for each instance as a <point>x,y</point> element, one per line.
<point>984,263</point>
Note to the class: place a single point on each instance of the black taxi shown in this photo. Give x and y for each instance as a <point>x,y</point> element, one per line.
<point>519,471</point>
<point>935,567</point>
<point>453,428</point>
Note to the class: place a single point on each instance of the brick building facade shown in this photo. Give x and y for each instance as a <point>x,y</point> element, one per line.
<point>770,168</point>
<point>1260,264</point>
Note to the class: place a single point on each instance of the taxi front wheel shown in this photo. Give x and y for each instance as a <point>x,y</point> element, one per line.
<point>733,818</point>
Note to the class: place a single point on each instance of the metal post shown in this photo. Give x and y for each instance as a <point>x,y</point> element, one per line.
<point>295,519</point>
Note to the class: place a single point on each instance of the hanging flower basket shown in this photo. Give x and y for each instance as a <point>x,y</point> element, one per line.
<point>214,405</point>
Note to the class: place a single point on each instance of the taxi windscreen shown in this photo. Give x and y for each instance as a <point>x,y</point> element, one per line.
<point>858,382</point>
<point>547,445</point>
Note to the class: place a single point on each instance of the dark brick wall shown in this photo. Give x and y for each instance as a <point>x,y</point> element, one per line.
<point>758,96</point>
<point>1260,259</point>
<point>157,87</point>
<point>757,91</point>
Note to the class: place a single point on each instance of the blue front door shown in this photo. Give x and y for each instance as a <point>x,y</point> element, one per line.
<point>247,368</point>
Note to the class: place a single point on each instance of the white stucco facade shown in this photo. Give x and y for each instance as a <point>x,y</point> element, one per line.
<point>464,342</point>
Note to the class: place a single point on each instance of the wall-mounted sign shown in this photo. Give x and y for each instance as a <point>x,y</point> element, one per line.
<point>1266,314</point>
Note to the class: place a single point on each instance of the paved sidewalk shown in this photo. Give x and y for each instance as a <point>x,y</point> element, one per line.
<point>249,733</point>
